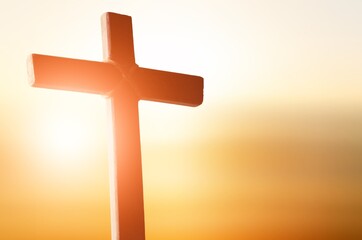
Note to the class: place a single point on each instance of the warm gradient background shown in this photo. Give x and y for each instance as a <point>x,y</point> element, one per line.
<point>275,151</point>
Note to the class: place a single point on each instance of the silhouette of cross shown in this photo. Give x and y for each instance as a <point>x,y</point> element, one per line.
<point>124,83</point>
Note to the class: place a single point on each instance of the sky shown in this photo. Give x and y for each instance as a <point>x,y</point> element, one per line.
<point>274,151</point>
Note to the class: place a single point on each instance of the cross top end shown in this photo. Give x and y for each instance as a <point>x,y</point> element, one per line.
<point>118,70</point>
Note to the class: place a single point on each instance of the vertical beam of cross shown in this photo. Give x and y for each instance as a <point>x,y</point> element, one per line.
<point>124,83</point>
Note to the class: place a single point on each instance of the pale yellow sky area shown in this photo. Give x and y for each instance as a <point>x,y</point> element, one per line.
<point>274,152</point>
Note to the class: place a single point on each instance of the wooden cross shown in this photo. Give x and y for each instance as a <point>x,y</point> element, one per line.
<point>124,83</point>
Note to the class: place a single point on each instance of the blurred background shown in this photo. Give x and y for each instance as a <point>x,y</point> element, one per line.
<point>274,152</point>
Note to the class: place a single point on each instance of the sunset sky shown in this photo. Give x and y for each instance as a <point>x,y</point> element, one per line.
<point>274,151</point>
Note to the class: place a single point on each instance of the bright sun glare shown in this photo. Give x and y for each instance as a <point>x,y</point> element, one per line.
<point>66,136</point>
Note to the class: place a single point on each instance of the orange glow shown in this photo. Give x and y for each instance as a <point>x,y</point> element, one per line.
<point>273,153</point>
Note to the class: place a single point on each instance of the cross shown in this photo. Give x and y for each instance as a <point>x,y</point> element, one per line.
<point>123,83</point>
